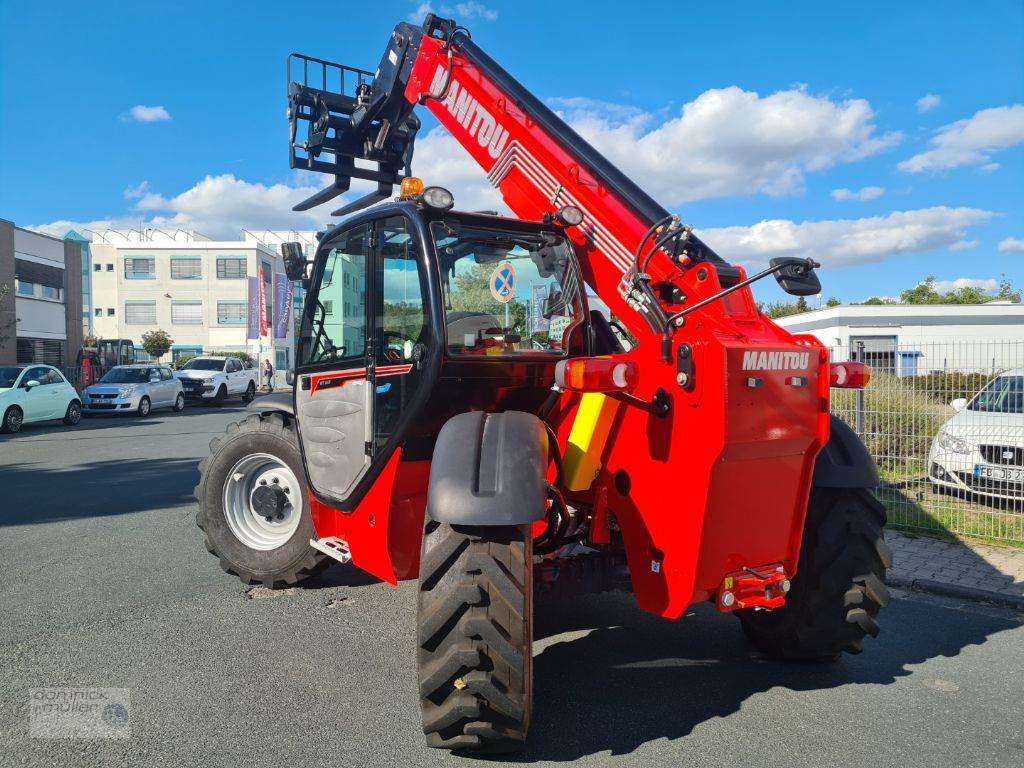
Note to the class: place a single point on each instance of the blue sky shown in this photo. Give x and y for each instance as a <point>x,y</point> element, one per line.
<point>747,118</point>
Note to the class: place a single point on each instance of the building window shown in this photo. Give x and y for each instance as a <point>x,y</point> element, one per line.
<point>230,267</point>
<point>268,296</point>
<point>97,267</point>
<point>110,312</point>
<point>139,268</point>
<point>187,312</point>
<point>99,312</point>
<point>110,268</point>
<point>231,312</point>
<point>186,268</point>
<point>49,292</point>
<point>140,312</point>
<point>24,288</point>
<point>45,351</point>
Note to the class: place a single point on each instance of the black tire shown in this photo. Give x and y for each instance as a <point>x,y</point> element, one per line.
<point>839,587</point>
<point>292,562</point>
<point>13,419</point>
<point>250,393</point>
<point>73,414</point>
<point>221,395</point>
<point>474,634</point>
<point>145,407</point>
<point>179,403</point>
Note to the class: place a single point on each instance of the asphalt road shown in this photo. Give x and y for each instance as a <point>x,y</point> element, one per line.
<point>104,582</point>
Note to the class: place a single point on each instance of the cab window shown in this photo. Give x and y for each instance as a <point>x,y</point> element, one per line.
<point>403,317</point>
<point>506,292</point>
<point>334,325</point>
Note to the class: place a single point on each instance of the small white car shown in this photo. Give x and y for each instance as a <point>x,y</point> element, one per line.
<point>214,379</point>
<point>134,389</point>
<point>981,449</point>
<point>30,393</point>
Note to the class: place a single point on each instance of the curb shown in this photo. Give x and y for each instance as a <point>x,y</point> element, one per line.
<point>956,590</point>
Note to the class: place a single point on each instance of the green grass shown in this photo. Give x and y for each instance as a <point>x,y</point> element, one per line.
<point>954,519</point>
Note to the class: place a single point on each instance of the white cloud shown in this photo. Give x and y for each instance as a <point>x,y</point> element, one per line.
<point>217,206</point>
<point>1011,245</point>
<point>137,191</point>
<point>845,242</point>
<point>466,11</point>
<point>729,141</point>
<point>440,160</point>
<point>862,194</point>
<point>963,245</point>
<point>142,114</point>
<point>928,102</point>
<point>946,286</point>
<point>971,142</point>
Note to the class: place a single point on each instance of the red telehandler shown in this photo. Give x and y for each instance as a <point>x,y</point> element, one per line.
<point>459,415</point>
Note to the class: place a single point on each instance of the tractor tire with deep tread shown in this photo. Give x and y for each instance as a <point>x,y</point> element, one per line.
<point>839,587</point>
<point>291,563</point>
<point>474,634</point>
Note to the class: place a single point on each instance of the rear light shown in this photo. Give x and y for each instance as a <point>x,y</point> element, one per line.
<point>595,374</point>
<point>848,375</point>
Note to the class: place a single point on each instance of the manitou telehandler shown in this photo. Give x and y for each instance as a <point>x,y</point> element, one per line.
<point>459,415</point>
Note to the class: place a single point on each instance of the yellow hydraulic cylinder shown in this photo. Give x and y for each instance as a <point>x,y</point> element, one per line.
<point>587,439</point>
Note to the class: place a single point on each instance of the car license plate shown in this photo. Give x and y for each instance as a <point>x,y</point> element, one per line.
<point>999,473</point>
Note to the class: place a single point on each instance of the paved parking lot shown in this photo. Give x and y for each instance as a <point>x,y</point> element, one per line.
<point>105,583</point>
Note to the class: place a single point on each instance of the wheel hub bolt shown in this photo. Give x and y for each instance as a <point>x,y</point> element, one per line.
<point>728,599</point>
<point>785,585</point>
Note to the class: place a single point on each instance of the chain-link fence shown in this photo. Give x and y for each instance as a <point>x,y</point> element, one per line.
<point>945,422</point>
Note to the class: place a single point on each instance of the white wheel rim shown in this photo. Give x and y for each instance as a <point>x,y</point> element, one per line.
<point>250,527</point>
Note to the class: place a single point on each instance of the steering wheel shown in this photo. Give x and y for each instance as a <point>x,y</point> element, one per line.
<point>393,355</point>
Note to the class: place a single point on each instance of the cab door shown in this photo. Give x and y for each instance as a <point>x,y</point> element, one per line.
<point>333,390</point>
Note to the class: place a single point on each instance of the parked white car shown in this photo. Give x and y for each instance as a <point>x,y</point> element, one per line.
<point>981,449</point>
<point>214,379</point>
<point>30,393</point>
<point>134,389</point>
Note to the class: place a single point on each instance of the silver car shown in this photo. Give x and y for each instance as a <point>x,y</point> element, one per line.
<point>134,389</point>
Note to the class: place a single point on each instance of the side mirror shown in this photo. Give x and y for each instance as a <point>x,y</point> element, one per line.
<point>959,404</point>
<point>154,379</point>
<point>294,261</point>
<point>796,276</point>
<point>31,384</point>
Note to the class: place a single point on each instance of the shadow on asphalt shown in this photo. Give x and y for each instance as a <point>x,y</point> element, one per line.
<point>120,420</point>
<point>94,489</point>
<point>635,678</point>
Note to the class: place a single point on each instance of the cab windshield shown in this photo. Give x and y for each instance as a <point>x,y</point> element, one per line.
<point>125,376</point>
<point>506,291</point>
<point>201,364</point>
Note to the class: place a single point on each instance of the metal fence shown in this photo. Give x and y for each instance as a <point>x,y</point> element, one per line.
<point>945,422</point>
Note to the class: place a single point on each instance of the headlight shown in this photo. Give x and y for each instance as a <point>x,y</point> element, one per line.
<point>126,391</point>
<point>949,442</point>
<point>207,381</point>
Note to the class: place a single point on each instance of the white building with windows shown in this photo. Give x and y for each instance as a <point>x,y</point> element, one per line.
<point>194,288</point>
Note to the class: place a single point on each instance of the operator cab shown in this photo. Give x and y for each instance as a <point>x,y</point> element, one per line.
<point>410,305</point>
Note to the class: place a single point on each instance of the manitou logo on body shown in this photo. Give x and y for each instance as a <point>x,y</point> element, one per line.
<point>776,361</point>
<point>478,121</point>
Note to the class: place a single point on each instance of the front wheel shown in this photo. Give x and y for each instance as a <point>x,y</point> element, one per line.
<point>179,403</point>
<point>144,407</point>
<point>839,587</point>
<point>13,418</point>
<point>73,414</point>
<point>222,393</point>
<point>252,504</point>
<point>475,632</point>
<point>250,393</point>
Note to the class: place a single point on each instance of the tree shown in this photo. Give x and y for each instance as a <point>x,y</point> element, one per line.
<point>801,304</point>
<point>90,340</point>
<point>777,309</point>
<point>925,292</point>
<point>879,301</point>
<point>156,343</point>
<point>472,293</point>
<point>833,302</point>
<point>1006,291</point>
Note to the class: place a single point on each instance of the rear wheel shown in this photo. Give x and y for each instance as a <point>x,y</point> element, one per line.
<point>145,406</point>
<point>13,418</point>
<point>839,587</point>
<point>73,414</point>
<point>475,631</point>
<point>252,504</point>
